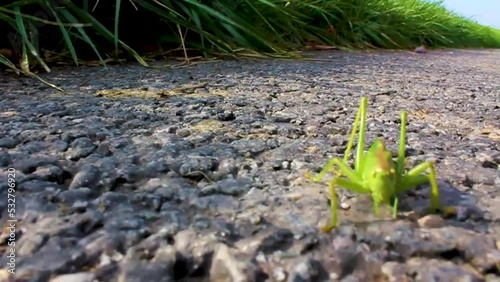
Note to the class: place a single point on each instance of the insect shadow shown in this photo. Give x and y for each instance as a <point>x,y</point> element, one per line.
<point>414,204</point>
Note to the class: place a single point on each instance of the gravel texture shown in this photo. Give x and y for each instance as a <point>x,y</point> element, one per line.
<point>198,173</point>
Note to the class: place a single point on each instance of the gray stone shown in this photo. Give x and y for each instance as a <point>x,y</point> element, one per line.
<point>138,271</point>
<point>8,142</point>
<point>434,269</point>
<point>80,148</point>
<point>87,176</point>
<point>57,255</point>
<point>216,203</point>
<point>306,270</point>
<point>228,266</point>
<point>231,187</point>
<point>74,195</point>
<point>50,173</point>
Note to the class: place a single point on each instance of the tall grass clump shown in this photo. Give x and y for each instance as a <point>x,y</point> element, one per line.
<point>37,31</point>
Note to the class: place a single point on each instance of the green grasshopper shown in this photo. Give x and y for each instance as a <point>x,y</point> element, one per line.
<point>376,173</point>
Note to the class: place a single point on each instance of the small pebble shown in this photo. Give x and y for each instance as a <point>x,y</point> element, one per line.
<point>345,206</point>
<point>4,274</point>
<point>295,196</point>
<point>420,49</point>
<point>381,109</point>
<point>431,221</point>
<point>394,271</point>
<point>279,274</point>
<point>333,276</point>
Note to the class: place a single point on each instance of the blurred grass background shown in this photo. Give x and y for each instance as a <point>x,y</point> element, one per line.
<point>43,32</point>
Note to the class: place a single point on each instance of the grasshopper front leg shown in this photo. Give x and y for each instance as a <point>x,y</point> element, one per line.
<point>353,182</point>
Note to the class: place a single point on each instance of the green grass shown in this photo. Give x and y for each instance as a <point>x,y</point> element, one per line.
<point>272,28</point>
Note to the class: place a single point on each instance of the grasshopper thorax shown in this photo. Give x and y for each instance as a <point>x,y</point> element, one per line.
<point>380,172</point>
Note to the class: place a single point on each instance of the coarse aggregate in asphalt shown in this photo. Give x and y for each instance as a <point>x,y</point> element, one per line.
<point>198,173</point>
